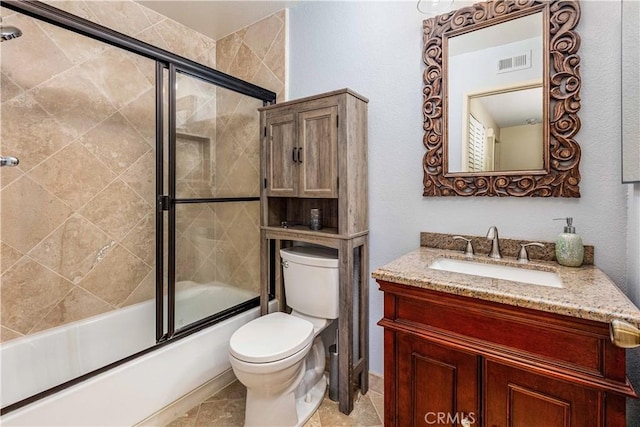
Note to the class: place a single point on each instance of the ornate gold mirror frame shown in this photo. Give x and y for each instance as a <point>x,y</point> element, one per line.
<point>560,176</point>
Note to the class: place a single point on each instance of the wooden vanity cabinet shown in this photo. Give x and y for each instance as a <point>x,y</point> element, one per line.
<point>496,365</point>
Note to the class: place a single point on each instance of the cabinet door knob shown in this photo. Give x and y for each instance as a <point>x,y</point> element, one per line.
<point>299,151</point>
<point>465,422</point>
<point>293,154</point>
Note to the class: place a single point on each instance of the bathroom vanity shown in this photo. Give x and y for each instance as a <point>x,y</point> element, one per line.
<point>473,350</point>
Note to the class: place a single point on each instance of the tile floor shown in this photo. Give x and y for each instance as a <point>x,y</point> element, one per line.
<point>226,409</point>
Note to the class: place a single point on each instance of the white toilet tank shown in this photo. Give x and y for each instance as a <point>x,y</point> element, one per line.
<point>311,280</point>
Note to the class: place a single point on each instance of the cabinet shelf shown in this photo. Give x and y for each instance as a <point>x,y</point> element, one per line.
<point>303,229</point>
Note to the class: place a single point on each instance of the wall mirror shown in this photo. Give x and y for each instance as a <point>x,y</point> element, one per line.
<point>630,91</point>
<point>501,96</point>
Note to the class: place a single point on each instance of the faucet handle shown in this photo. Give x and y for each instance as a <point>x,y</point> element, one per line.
<point>523,256</point>
<point>468,251</point>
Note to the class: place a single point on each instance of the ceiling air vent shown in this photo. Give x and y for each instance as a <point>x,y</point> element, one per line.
<point>514,63</point>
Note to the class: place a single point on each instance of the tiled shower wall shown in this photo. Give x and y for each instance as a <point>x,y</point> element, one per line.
<point>77,214</point>
<point>256,54</point>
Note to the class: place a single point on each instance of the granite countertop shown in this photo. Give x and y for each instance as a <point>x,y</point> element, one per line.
<point>587,292</point>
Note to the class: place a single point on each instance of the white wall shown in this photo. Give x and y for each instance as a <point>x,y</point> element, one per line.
<point>375,48</point>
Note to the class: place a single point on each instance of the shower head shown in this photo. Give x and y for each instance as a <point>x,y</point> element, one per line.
<point>9,32</point>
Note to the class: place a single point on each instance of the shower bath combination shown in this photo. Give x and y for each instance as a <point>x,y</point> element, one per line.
<point>90,250</point>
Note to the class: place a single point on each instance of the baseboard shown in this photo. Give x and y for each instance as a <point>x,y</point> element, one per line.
<point>178,408</point>
<point>376,383</point>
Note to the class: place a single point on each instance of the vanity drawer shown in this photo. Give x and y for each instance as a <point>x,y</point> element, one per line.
<point>531,338</point>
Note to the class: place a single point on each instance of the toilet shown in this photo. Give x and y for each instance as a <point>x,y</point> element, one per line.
<point>280,357</point>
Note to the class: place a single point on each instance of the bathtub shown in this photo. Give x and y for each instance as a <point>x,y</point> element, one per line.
<point>132,391</point>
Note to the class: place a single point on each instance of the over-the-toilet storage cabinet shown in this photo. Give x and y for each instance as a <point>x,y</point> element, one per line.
<point>314,155</point>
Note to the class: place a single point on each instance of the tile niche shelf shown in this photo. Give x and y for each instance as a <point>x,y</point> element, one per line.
<point>314,155</point>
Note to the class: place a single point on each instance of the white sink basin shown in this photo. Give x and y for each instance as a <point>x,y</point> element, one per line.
<point>515,274</point>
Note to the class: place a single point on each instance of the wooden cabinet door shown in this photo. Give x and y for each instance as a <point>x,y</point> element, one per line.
<point>518,398</point>
<point>317,151</point>
<point>436,385</point>
<point>281,151</point>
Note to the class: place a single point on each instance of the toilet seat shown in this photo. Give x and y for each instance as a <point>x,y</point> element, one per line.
<point>270,338</point>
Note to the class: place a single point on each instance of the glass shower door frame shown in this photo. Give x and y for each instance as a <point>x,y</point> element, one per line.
<point>168,203</point>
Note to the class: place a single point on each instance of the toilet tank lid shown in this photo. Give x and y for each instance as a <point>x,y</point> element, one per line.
<point>311,255</point>
<point>270,338</point>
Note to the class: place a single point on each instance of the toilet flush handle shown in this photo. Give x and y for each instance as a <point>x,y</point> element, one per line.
<point>284,263</point>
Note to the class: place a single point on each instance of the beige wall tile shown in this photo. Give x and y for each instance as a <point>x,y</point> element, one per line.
<point>29,292</point>
<point>116,277</point>
<point>188,259</point>
<point>118,77</point>
<point>141,115</point>
<point>73,174</point>
<point>124,16</point>
<point>8,257</point>
<point>76,7</point>
<point>153,16</point>
<point>141,240</point>
<point>150,35</point>
<point>183,40</point>
<point>243,232</point>
<point>21,68</point>
<point>116,210</point>
<point>116,143</point>
<point>186,214</point>
<point>8,175</point>
<point>23,225</point>
<point>243,280</point>
<point>244,64</point>
<point>206,273</point>
<point>77,305</point>
<point>76,47</point>
<point>145,291</point>
<point>74,101</point>
<point>9,88</point>
<point>30,133</point>
<point>227,48</point>
<point>243,178</point>
<point>228,150</point>
<point>260,35</point>
<point>73,249</point>
<point>267,79</point>
<point>7,334</point>
<point>227,260</point>
<point>141,177</point>
<point>202,231</point>
<point>275,58</point>
<point>226,103</point>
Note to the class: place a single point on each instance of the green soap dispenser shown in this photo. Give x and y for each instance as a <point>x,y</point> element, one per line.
<point>569,246</point>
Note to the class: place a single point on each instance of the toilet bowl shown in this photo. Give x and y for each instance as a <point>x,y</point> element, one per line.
<point>280,357</point>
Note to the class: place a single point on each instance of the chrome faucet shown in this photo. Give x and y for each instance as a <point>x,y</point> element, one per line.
<point>492,235</point>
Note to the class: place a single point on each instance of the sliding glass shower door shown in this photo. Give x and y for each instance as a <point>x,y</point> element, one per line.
<point>214,164</point>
